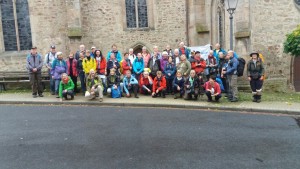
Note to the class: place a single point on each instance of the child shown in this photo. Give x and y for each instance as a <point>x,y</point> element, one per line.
<point>178,85</point>
<point>159,85</point>
<point>130,84</point>
<point>169,72</point>
<point>66,87</point>
<point>212,89</point>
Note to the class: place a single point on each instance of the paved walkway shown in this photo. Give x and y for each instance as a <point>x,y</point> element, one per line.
<point>147,101</point>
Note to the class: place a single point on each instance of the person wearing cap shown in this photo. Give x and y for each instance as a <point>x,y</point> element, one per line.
<point>138,66</point>
<point>93,51</point>
<point>66,87</point>
<point>169,72</point>
<point>81,50</point>
<point>255,73</point>
<point>184,50</point>
<point>94,86</point>
<point>34,65</point>
<point>146,83</point>
<point>115,51</point>
<point>230,71</point>
<point>88,62</point>
<point>48,60</point>
<point>59,67</point>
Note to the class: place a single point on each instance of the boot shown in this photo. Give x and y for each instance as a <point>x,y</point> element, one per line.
<point>258,97</point>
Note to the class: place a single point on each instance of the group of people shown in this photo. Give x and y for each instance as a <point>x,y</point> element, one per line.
<point>179,72</point>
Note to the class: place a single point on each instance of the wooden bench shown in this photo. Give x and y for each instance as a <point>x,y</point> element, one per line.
<point>8,77</point>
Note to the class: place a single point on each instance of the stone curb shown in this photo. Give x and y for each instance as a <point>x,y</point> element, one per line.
<point>149,105</point>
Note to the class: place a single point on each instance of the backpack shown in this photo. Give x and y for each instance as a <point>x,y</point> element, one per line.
<point>241,66</point>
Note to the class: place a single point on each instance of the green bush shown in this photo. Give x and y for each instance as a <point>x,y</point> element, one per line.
<point>292,42</point>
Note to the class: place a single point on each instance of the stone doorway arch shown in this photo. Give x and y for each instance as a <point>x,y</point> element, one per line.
<point>137,47</point>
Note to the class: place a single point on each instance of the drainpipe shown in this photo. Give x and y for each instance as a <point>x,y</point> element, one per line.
<point>187,22</point>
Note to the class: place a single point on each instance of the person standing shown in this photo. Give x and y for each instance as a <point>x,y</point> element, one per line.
<point>221,65</point>
<point>217,51</point>
<point>138,66</point>
<point>101,68</point>
<point>146,56</point>
<point>169,72</point>
<point>81,73</point>
<point>255,73</point>
<point>59,67</point>
<point>183,50</point>
<point>49,58</point>
<point>231,75</point>
<point>34,66</point>
<point>154,66</point>
<point>88,63</point>
<point>81,50</point>
<point>131,55</point>
<point>72,70</point>
<point>115,51</point>
<point>126,64</point>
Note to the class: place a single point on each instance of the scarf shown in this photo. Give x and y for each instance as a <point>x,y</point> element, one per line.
<point>191,81</point>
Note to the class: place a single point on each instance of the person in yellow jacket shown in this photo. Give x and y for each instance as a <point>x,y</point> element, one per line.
<point>88,63</point>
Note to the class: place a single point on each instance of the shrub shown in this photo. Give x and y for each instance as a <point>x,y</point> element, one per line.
<point>292,42</point>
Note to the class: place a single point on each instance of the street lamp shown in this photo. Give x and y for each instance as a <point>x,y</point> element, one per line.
<point>231,6</point>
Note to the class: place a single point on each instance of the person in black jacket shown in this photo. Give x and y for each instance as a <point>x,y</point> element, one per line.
<point>113,82</point>
<point>178,85</point>
<point>255,73</point>
<point>81,73</point>
<point>192,85</point>
<point>154,65</point>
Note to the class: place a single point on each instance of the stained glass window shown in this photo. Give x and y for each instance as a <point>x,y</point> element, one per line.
<point>136,13</point>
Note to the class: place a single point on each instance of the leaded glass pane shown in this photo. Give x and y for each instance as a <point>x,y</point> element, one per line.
<point>24,24</point>
<point>220,29</point>
<point>130,14</point>
<point>142,13</point>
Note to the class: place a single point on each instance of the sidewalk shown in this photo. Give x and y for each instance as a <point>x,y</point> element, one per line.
<point>147,101</point>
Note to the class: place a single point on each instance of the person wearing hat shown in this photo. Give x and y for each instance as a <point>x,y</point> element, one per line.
<point>49,58</point>
<point>255,73</point>
<point>93,51</point>
<point>34,65</point>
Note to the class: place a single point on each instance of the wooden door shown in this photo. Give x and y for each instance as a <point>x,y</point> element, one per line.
<point>297,73</point>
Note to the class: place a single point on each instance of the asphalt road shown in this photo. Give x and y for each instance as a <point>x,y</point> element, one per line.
<point>74,137</point>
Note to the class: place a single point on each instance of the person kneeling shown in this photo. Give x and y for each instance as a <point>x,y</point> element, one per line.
<point>113,84</point>
<point>192,85</point>
<point>94,86</point>
<point>178,85</point>
<point>130,84</point>
<point>212,89</point>
<point>159,85</point>
<point>146,83</point>
<point>66,87</point>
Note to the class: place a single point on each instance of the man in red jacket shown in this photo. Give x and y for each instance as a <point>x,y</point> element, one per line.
<point>159,85</point>
<point>212,89</point>
<point>199,64</point>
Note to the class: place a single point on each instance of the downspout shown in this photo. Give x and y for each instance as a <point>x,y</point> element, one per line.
<point>187,22</point>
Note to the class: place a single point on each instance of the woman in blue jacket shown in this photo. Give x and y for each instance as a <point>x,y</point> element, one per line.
<point>138,66</point>
<point>59,66</point>
<point>169,72</point>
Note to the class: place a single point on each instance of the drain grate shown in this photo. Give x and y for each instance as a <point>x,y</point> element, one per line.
<point>298,121</point>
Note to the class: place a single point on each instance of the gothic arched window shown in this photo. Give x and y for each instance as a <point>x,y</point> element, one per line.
<point>136,14</point>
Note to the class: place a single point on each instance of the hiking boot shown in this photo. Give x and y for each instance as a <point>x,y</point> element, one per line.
<point>100,99</point>
<point>258,100</point>
<point>209,100</point>
<point>234,100</point>
<point>34,96</point>
<point>175,97</point>
<point>254,100</point>
<point>41,95</point>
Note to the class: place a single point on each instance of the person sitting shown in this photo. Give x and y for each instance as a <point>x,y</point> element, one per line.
<point>126,64</point>
<point>178,85</point>
<point>192,85</point>
<point>66,87</point>
<point>130,84</point>
<point>138,66</point>
<point>169,72</point>
<point>146,83</point>
<point>94,86</point>
<point>159,85</point>
<point>212,89</point>
<point>113,83</point>
<point>113,63</point>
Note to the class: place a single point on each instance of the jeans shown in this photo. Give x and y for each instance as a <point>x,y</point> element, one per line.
<point>208,94</point>
<point>74,79</point>
<point>232,87</point>
<point>82,81</point>
<point>52,83</point>
<point>57,81</point>
<point>68,93</point>
<point>35,81</point>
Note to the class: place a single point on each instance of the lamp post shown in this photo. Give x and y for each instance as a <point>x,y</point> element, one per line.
<point>231,6</point>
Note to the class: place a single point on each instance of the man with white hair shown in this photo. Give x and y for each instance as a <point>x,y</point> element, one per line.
<point>184,50</point>
<point>156,53</point>
<point>217,50</point>
<point>131,55</point>
<point>176,56</point>
<point>81,50</point>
